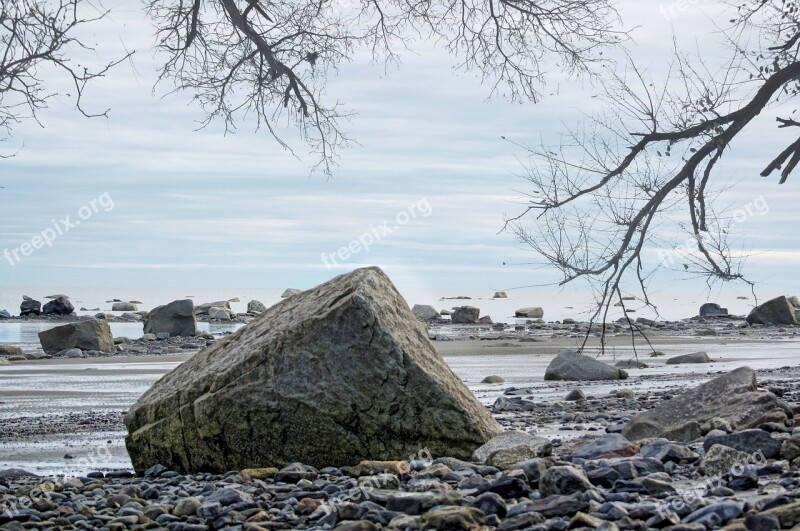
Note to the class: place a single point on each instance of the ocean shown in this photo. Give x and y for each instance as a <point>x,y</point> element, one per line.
<point>557,304</point>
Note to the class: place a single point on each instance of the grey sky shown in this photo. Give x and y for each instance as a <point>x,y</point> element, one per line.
<point>203,209</point>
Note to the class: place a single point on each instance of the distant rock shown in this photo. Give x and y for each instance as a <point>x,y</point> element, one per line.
<point>289,292</point>
<point>425,312</point>
<point>7,351</point>
<point>92,334</point>
<point>733,397</point>
<point>533,312</point>
<point>235,299</point>
<point>124,307</point>
<point>256,307</point>
<point>465,315</point>
<point>777,311</point>
<point>445,312</point>
<point>59,296</point>
<point>4,314</point>
<point>493,379</point>
<point>203,309</point>
<point>486,320</point>
<point>571,365</point>
<point>712,309</point>
<point>694,357</point>
<point>631,364</point>
<point>58,306</point>
<point>325,376</point>
<point>30,307</point>
<point>500,295</point>
<point>221,314</point>
<point>176,319</point>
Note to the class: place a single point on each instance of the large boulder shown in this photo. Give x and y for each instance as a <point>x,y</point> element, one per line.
<point>465,315</point>
<point>92,334</point>
<point>175,319</point>
<point>425,312</point>
<point>712,309</point>
<point>30,307</point>
<point>778,311</point>
<point>124,307</point>
<point>533,312</point>
<point>733,397</point>
<point>58,306</point>
<point>332,376</point>
<point>4,314</point>
<point>572,365</point>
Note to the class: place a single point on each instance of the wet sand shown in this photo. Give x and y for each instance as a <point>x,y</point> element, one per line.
<point>51,408</point>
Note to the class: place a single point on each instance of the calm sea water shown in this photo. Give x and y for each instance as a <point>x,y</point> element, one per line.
<point>557,304</point>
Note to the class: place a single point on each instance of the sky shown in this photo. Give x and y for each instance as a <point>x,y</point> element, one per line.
<point>424,193</point>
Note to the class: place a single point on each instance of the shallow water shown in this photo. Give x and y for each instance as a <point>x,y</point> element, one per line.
<point>26,334</point>
<point>56,389</point>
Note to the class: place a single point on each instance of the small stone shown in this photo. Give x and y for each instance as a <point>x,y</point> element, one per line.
<point>186,507</point>
<point>563,480</point>
<point>575,395</point>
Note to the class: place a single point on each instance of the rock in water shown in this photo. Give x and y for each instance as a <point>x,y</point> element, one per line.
<point>571,365</point>
<point>58,306</point>
<point>124,307</point>
<point>733,397</point>
<point>712,309</point>
<point>694,357</point>
<point>534,312</point>
<point>93,334</point>
<point>175,319</point>
<point>465,315</point>
<point>332,376</point>
<point>425,312</point>
<point>777,311</point>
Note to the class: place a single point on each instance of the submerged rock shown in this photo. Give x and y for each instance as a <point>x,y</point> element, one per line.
<point>732,397</point>
<point>335,375</point>
<point>571,365</point>
<point>465,315</point>
<point>694,357</point>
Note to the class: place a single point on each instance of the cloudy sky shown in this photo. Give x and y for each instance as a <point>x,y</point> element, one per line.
<point>197,208</point>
